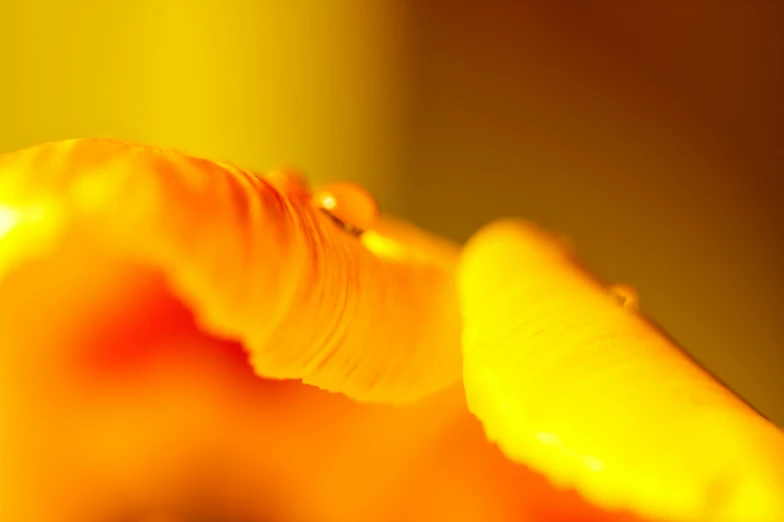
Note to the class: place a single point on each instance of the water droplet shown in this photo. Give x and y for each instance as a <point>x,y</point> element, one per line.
<point>350,205</point>
<point>625,295</point>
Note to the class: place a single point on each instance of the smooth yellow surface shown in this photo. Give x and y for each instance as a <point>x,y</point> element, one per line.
<point>570,381</point>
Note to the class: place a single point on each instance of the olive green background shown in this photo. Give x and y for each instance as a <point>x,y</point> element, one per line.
<point>648,131</point>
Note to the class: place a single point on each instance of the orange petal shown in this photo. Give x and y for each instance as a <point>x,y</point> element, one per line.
<point>570,381</point>
<point>254,258</point>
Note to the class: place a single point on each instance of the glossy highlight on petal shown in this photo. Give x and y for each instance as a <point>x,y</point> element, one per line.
<point>572,383</point>
<point>350,205</point>
<point>254,258</point>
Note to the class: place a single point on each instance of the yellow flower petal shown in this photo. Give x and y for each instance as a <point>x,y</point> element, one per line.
<point>254,258</point>
<point>573,383</point>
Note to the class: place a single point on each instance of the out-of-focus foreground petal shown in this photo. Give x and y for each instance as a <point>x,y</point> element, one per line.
<point>114,406</point>
<point>253,258</point>
<point>568,380</point>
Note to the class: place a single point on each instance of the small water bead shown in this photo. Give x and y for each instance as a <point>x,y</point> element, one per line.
<point>625,295</point>
<point>350,205</point>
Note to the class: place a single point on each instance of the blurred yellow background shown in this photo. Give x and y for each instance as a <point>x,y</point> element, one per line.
<point>649,132</point>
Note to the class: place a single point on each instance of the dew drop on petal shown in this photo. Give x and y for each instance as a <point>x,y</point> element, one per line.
<point>351,205</point>
<point>625,295</point>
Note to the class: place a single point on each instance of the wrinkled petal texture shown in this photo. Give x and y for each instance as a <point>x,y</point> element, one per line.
<point>585,390</point>
<point>255,260</point>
